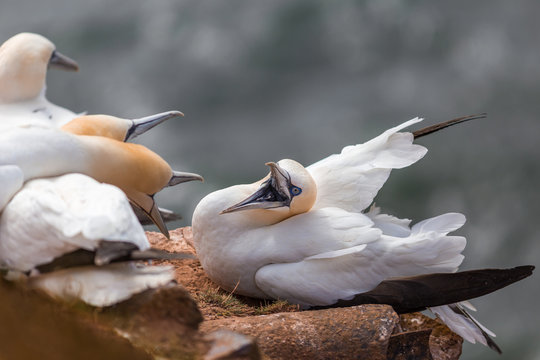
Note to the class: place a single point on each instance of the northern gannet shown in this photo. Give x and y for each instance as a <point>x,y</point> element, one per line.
<point>77,238</point>
<point>24,60</point>
<point>36,152</point>
<point>303,233</point>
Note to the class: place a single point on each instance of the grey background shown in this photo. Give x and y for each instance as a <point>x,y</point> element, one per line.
<point>261,81</point>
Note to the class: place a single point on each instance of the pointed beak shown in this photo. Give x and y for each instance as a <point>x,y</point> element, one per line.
<point>147,204</point>
<point>273,193</point>
<point>142,125</point>
<point>62,62</point>
<point>182,177</point>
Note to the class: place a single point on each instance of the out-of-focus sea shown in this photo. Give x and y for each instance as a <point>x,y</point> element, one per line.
<point>260,81</point>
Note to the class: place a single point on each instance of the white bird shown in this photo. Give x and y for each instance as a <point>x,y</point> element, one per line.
<point>300,234</point>
<point>67,233</point>
<point>24,60</point>
<point>36,152</point>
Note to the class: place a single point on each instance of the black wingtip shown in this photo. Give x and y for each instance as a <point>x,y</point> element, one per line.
<point>434,128</point>
<point>493,346</point>
<point>415,293</point>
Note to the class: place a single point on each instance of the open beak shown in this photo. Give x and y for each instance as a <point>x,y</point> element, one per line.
<point>142,125</point>
<point>273,193</point>
<point>147,204</point>
<point>179,177</point>
<point>62,62</point>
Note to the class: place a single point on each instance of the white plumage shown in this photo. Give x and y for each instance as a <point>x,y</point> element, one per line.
<point>24,60</point>
<point>102,286</point>
<point>302,235</point>
<point>51,217</point>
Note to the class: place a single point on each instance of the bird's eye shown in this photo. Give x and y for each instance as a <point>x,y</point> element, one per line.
<point>295,190</point>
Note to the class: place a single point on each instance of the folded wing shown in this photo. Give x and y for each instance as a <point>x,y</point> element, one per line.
<point>342,272</point>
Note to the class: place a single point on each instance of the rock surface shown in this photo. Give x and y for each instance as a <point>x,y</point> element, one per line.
<point>196,320</point>
<point>361,332</point>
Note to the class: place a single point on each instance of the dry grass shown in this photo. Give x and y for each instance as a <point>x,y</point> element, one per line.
<point>214,302</point>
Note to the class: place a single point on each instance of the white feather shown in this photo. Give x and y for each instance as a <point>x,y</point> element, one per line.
<point>329,276</point>
<point>35,112</point>
<point>461,325</point>
<point>332,250</point>
<point>102,286</point>
<point>53,216</point>
<point>352,178</point>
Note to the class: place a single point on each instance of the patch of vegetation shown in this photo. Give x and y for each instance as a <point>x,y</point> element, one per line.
<point>217,303</point>
<point>226,303</point>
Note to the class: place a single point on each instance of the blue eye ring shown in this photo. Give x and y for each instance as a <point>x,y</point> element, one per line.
<point>295,190</point>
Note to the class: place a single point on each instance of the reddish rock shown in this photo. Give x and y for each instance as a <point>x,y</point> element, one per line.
<point>359,332</point>
<point>35,327</point>
<point>163,322</point>
<point>443,343</point>
<point>229,345</point>
<point>167,324</point>
<point>410,345</point>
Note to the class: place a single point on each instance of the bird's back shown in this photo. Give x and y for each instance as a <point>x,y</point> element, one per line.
<point>53,216</point>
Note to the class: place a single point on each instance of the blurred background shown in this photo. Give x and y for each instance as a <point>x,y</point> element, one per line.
<point>260,81</point>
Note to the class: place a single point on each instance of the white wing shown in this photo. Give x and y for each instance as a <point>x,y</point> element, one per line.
<point>50,217</point>
<point>102,286</point>
<point>342,272</point>
<point>350,180</point>
<point>390,225</point>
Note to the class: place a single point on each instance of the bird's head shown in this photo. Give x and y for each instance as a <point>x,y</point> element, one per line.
<point>24,60</point>
<point>116,128</point>
<point>288,188</point>
<point>134,168</point>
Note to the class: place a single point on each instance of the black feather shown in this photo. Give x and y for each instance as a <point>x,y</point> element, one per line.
<point>109,252</point>
<point>434,128</point>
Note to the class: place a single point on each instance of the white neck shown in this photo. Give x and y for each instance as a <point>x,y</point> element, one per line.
<point>221,237</point>
<point>21,83</point>
<point>42,152</point>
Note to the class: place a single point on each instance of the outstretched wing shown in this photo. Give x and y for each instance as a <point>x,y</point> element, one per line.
<point>350,180</point>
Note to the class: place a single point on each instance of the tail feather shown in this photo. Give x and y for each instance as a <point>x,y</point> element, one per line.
<point>463,324</point>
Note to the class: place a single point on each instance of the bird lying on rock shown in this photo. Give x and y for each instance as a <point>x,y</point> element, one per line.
<point>36,152</point>
<point>303,234</point>
<point>24,60</point>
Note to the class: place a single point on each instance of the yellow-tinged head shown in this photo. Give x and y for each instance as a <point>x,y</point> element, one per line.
<point>99,125</point>
<point>24,59</point>
<point>116,128</point>
<point>135,169</point>
<point>288,190</point>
